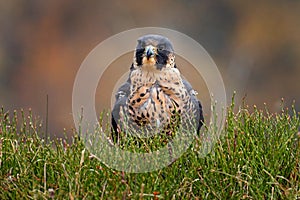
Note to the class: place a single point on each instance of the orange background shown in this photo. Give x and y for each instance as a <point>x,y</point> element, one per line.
<point>42,44</point>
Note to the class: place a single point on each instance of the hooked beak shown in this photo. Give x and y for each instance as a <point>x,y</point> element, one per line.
<point>149,51</point>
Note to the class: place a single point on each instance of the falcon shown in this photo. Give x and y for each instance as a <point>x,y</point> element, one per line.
<point>155,94</point>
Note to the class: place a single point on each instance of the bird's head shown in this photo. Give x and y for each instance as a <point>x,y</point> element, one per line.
<point>154,52</point>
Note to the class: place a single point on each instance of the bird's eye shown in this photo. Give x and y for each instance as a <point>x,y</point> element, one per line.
<point>161,47</point>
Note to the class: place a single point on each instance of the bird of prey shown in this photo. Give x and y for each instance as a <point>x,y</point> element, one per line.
<point>155,92</point>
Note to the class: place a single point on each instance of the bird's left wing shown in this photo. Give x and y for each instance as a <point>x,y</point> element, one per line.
<point>197,104</point>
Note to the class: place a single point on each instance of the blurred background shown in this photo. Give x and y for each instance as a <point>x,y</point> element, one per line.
<point>43,43</point>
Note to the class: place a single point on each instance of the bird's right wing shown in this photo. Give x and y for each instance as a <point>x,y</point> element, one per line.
<point>121,98</point>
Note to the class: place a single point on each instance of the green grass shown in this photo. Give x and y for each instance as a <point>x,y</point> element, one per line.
<point>257,158</point>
